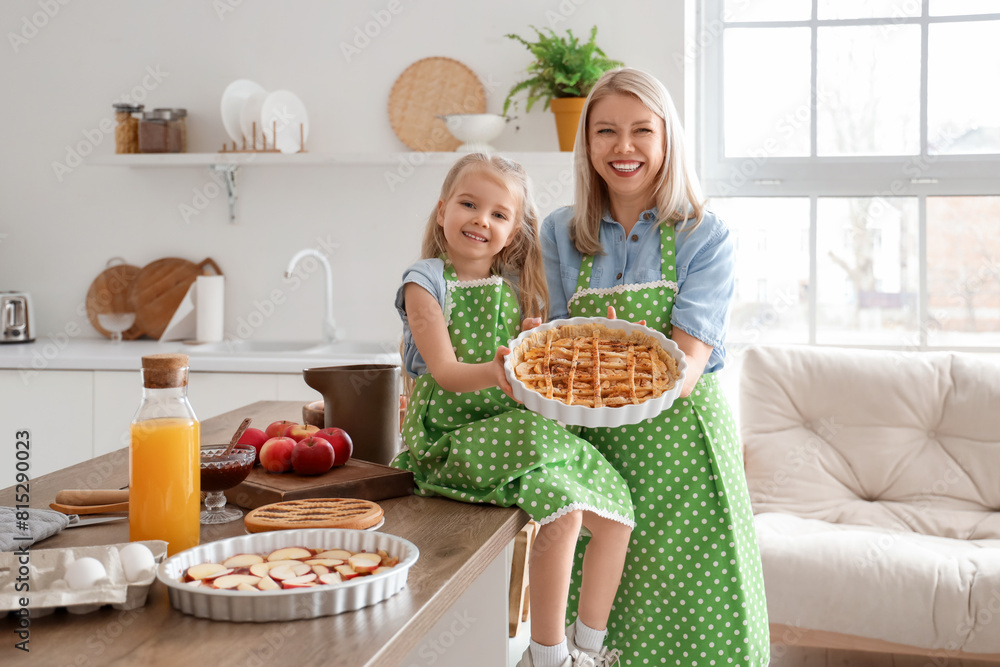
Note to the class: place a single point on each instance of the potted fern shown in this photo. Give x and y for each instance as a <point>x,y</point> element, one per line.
<point>563,72</point>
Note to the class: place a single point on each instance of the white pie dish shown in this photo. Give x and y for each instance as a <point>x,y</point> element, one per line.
<point>287,605</point>
<point>603,417</point>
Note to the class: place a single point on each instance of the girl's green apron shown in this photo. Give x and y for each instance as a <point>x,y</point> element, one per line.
<point>693,590</point>
<point>483,447</point>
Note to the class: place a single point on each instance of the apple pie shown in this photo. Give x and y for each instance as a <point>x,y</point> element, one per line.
<point>594,365</point>
<point>314,513</point>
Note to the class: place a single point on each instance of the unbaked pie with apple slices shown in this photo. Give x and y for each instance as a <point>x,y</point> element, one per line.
<point>594,365</point>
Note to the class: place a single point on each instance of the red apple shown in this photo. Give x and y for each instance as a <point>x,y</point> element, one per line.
<point>277,429</point>
<point>276,454</point>
<point>256,438</point>
<point>342,445</point>
<point>312,456</point>
<point>299,432</point>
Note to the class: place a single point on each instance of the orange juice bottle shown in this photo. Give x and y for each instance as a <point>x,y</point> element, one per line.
<point>164,459</point>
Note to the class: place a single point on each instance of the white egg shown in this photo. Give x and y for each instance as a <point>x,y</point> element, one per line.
<point>84,573</point>
<point>138,562</point>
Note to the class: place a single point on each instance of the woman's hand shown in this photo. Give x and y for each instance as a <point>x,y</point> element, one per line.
<point>612,315</point>
<point>530,323</point>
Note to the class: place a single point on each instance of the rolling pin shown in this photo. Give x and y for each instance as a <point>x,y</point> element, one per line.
<point>92,496</point>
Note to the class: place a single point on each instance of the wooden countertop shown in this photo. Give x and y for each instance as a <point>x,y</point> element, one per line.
<point>456,540</point>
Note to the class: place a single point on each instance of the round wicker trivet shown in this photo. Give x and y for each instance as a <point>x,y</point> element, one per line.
<point>426,89</point>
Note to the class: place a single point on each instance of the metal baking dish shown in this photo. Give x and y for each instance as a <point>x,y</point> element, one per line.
<point>581,415</point>
<point>287,605</point>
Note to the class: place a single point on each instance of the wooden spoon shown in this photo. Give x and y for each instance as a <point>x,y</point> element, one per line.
<point>89,509</point>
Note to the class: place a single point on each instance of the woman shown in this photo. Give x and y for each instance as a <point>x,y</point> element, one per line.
<point>640,242</point>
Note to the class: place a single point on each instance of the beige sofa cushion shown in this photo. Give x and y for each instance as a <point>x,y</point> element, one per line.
<point>901,587</point>
<point>907,442</point>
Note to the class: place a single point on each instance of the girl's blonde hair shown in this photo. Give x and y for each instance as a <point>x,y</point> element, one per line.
<point>678,197</point>
<point>521,261</point>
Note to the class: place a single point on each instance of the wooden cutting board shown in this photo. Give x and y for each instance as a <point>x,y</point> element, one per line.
<point>160,287</point>
<point>355,479</point>
<point>111,292</point>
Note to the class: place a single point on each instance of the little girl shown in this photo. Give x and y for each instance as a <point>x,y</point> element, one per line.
<point>469,441</point>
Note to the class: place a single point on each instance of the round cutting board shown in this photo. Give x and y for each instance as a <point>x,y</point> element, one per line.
<point>429,88</point>
<point>111,293</point>
<point>160,287</point>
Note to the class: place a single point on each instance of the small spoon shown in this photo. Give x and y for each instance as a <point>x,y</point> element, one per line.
<point>237,436</point>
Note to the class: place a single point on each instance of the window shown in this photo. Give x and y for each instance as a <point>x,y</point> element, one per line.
<point>859,142</point>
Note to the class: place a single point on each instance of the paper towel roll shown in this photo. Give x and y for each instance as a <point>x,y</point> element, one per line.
<point>210,304</point>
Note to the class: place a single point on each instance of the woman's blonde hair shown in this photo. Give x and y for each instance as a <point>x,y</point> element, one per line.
<point>678,196</point>
<point>521,261</point>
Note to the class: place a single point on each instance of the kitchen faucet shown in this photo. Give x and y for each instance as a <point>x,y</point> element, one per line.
<point>330,332</point>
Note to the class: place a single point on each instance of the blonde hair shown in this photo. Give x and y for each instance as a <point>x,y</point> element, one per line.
<point>521,261</point>
<point>678,197</point>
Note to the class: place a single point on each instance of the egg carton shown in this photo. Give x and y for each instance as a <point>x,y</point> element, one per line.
<point>49,591</point>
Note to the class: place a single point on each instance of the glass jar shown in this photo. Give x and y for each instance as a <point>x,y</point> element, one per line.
<point>127,127</point>
<point>163,131</point>
<point>165,458</point>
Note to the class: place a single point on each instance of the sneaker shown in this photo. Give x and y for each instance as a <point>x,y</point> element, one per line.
<point>605,657</point>
<point>577,658</point>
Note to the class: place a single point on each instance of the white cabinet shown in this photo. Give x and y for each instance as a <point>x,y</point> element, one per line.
<point>56,407</point>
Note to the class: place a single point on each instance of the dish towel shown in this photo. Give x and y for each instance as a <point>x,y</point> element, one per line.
<point>40,524</point>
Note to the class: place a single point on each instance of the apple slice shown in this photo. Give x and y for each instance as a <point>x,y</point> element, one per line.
<point>194,584</point>
<point>338,554</point>
<point>364,563</point>
<point>299,582</point>
<point>246,587</point>
<point>389,561</point>
<point>206,570</point>
<point>281,573</point>
<point>243,560</point>
<point>330,578</point>
<point>234,580</point>
<point>321,569</point>
<point>346,572</point>
<point>301,569</point>
<point>260,569</point>
<point>289,553</point>
<point>268,584</point>
<point>382,568</point>
<point>328,562</point>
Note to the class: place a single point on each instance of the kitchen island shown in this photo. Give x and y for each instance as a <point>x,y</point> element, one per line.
<point>457,543</point>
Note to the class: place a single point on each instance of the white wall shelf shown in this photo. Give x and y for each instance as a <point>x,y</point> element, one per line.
<point>228,164</point>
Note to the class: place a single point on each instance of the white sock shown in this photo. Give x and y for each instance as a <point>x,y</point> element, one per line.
<point>589,638</point>
<point>548,656</point>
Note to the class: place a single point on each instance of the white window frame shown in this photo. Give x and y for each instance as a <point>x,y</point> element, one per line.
<point>919,176</point>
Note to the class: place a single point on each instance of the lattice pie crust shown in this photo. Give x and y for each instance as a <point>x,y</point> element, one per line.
<point>314,513</point>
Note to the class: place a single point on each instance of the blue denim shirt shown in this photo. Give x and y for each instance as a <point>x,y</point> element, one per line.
<point>705,277</point>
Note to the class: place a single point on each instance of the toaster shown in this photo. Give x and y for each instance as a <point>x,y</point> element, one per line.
<point>15,318</point>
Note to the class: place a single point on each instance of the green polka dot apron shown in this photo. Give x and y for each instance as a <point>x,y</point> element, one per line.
<point>693,590</point>
<point>483,447</point>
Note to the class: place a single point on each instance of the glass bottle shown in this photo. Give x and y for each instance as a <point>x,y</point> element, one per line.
<point>164,459</point>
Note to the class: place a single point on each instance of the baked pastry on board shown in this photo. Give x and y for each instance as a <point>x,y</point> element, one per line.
<point>314,513</point>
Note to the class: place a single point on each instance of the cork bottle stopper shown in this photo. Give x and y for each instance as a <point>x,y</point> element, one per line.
<point>164,371</point>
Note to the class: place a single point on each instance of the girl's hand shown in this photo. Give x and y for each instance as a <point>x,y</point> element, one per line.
<point>530,323</point>
<point>501,376</point>
<point>613,316</point>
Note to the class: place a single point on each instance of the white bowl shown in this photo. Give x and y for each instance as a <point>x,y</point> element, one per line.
<point>287,605</point>
<point>477,130</point>
<point>607,417</point>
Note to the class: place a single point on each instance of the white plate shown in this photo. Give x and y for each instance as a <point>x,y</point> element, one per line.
<point>581,415</point>
<point>284,111</point>
<point>233,98</point>
<point>250,114</point>
<point>287,605</point>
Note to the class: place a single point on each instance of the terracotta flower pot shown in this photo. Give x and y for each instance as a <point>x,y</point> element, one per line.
<point>567,111</point>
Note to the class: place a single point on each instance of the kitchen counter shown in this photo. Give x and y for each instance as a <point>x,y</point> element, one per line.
<point>101,354</point>
<point>457,542</point>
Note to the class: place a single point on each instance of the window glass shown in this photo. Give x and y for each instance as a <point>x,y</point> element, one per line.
<point>961,7</point>
<point>768,10</point>
<point>867,273</point>
<point>771,304</point>
<point>766,115</point>
<point>868,91</point>
<point>963,271</point>
<point>963,111</point>
<point>864,9</point>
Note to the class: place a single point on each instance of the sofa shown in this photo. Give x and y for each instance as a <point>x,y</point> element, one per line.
<point>875,484</point>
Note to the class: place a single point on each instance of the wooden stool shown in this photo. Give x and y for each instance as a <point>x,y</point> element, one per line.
<point>518,609</point>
